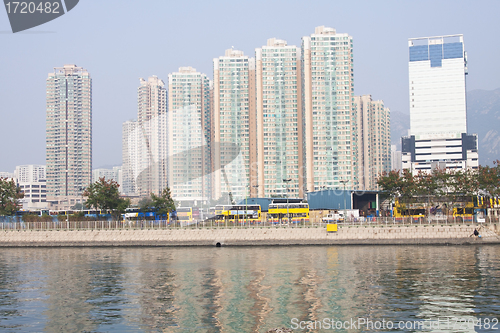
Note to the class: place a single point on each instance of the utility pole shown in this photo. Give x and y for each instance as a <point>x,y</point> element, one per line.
<point>287,212</point>
<point>344,181</point>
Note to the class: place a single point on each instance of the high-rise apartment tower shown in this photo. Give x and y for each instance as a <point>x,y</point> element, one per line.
<point>68,131</point>
<point>130,160</point>
<point>279,121</point>
<point>152,142</point>
<point>189,133</point>
<point>327,111</point>
<point>373,143</point>
<point>234,111</point>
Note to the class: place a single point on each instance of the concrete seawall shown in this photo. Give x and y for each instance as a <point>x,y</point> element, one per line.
<point>354,235</point>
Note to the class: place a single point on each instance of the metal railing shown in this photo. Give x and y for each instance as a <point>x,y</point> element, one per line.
<point>211,224</point>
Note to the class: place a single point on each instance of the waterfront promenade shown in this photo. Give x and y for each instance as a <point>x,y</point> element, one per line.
<point>253,236</point>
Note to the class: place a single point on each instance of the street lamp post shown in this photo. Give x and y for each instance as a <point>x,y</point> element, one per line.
<point>256,187</point>
<point>344,181</point>
<point>82,190</point>
<point>287,212</point>
<point>202,206</point>
<point>246,204</point>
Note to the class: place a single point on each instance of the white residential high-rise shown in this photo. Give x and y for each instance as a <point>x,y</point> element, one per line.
<point>151,127</point>
<point>68,132</point>
<point>438,119</point>
<point>395,158</point>
<point>144,142</point>
<point>373,144</point>
<point>233,101</point>
<point>30,173</point>
<point>189,132</point>
<point>109,174</point>
<point>8,175</point>
<point>131,137</point>
<point>129,157</point>
<point>279,121</point>
<point>31,179</point>
<point>327,111</point>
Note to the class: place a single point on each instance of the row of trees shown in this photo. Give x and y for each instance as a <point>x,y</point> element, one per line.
<point>101,195</point>
<point>104,195</point>
<point>484,181</point>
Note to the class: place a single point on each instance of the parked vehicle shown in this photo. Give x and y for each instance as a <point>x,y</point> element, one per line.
<point>334,217</point>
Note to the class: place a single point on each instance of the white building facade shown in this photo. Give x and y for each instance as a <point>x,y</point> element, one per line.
<point>327,110</point>
<point>109,174</point>
<point>130,160</point>
<point>7,175</point>
<point>438,117</point>
<point>31,180</point>
<point>373,141</point>
<point>144,142</point>
<point>279,123</point>
<point>68,132</point>
<point>189,133</point>
<point>395,158</point>
<point>232,112</point>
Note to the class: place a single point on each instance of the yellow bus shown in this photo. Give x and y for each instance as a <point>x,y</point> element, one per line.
<point>185,214</point>
<point>466,207</point>
<point>437,208</point>
<point>288,212</point>
<point>415,209</point>
<point>219,209</point>
<point>211,213</point>
<point>237,214</point>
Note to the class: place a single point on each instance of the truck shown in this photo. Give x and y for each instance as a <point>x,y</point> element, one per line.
<point>334,217</point>
<point>338,216</point>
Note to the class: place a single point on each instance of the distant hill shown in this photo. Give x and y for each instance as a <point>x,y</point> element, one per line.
<point>483,118</point>
<point>400,124</point>
<point>483,113</point>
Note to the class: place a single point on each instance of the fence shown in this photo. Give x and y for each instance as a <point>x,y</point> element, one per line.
<point>424,220</point>
<point>210,224</point>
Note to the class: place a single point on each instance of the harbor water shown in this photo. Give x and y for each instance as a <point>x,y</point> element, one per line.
<point>251,289</point>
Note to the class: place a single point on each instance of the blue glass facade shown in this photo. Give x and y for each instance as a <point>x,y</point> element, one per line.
<point>453,50</point>
<point>436,52</point>
<point>419,53</point>
<point>436,55</point>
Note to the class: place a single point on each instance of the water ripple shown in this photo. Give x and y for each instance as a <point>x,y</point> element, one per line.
<point>243,289</point>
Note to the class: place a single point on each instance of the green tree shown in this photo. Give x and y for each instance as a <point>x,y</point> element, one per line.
<point>409,185</point>
<point>9,197</point>
<point>489,179</point>
<point>441,181</point>
<point>146,205</point>
<point>442,186</point>
<point>391,183</point>
<point>104,195</point>
<point>78,206</point>
<point>123,204</point>
<point>163,204</point>
<point>464,182</point>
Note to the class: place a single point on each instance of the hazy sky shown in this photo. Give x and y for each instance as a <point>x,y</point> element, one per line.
<point>120,41</point>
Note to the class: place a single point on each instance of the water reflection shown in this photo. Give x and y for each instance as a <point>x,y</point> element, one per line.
<point>242,289</point>
<point>9,286</point>
<point>67,289</point>
<point>153,290</point>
